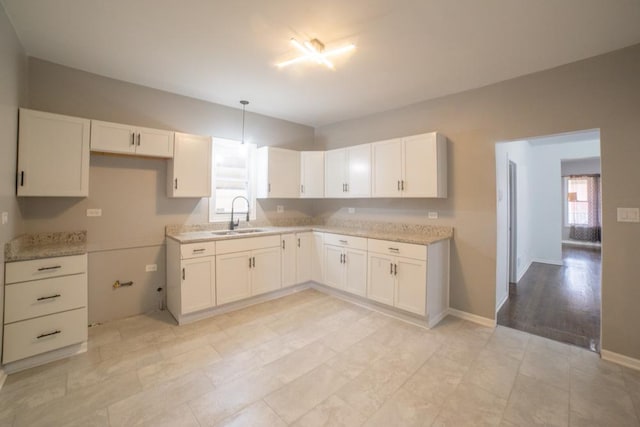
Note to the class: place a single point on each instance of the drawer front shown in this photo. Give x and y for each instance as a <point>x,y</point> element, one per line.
<point>22,271</point>
<point>42,334</point>
<point>345,241</point>
<point>196,250</point>
<point>43,297</point>
<point>247,244</point>
<point>396,248</point>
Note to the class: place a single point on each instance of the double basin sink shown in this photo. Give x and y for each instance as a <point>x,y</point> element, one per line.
<point>239,231</point>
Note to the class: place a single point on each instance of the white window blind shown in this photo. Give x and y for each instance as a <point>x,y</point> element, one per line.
<point>233,175</point>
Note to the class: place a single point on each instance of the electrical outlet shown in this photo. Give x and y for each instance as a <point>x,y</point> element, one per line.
<point>628,215</point>
<point>279,208</point>
<point>352,210</point>
<point>432,215</point>
<point>5,217</point>
<point>94,212</point>
<point>151,267</point>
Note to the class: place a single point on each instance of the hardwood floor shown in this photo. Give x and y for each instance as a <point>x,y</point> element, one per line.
<point>559,302</point>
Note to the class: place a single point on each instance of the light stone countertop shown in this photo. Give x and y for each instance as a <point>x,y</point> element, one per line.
<point>409,236</point>
<point>45,245</point>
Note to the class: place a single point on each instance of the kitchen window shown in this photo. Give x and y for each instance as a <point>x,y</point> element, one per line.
<point>232,175</point>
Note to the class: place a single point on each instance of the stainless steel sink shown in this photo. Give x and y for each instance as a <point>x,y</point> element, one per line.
<point>238,231</point>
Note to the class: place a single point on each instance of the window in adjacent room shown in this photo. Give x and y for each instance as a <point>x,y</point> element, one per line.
<point>577,201</point>
<point>232,175</point>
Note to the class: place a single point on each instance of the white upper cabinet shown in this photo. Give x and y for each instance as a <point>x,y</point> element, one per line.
<point>312,174</point>
<point>127,139</point>
<point>348,172</point>
<point>414,166</point>
<point>278,173</point>
<point>53,155</point>
<point>189,171</point>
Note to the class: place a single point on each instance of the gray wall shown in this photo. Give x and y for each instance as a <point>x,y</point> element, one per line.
<point>13,64</point>
<point>131,191</point>
<point>601,92</point>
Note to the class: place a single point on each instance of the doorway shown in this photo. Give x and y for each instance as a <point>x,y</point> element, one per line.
<point>545,286</point>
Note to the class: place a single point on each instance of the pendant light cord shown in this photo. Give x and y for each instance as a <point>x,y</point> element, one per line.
<point>244,105</point>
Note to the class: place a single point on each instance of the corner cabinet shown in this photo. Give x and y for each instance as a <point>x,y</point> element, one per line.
<point>415,166</point>
<point>311,174</point>
<point>189,171</point>
<point>278,173</point>
<point>118,138</point>
<point>53,155</point>
<point>348,172</point>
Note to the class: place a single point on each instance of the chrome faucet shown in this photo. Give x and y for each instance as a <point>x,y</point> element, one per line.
<point>236,223</point>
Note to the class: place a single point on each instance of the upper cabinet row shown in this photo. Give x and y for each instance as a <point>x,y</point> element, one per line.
<point>53,154</point>
<point>414,166</point>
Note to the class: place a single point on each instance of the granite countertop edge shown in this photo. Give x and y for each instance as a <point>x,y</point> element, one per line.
<point>45,245</point>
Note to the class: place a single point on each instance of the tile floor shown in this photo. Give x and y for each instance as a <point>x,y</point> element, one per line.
<point>309,359</point>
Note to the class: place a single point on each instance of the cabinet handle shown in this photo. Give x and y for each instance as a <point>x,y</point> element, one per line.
<point>391,268</point>
<point>298,242</point>
<point>345,258</point>
<point>183,274</point>
<point>269,188</point>
<point>346,186</point>
<point>254,262</point>
<point>249,262</point>
<point>394,249</point>
<point>48,334</point>
<point>138,139</point>
<point>395,269</point>
<point>199,250</point>
<point>302,188</point>
<point>55,267</point>
<point>21,178</point>
<point>398,185</point>
<point>282,243</point>
<point>176,184</point>
<point>133,138</point>
<point>49,297</point>
<point>344,242</point>
<point>402,185</point>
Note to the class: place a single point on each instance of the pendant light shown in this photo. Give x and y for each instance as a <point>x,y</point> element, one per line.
<point>244,106</point>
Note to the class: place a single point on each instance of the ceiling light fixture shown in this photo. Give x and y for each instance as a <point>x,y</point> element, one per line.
<point>244,106</point>
<point>313,50</point>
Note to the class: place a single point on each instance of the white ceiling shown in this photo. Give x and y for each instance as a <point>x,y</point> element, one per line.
<point>408,50</point>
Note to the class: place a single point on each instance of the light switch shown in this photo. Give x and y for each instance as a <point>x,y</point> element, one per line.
<point>151,267</point>
<point>5,217</point>
<point>94,212</point>
<point>433,215</point>
<point>628,214</point>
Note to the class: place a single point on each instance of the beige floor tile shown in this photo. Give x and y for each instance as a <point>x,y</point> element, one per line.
<point>231,397</point>
<point>494,371</point>
<point>344,338</point>
<point>544,345</point>
<point>148,403</point>
<point>140,342</point>
<point>258,414</point>
<point>241,338</point>
<point>470,405</point>
<point>201,327</point>
<point>103,334</point>
<point>601,403</point>
<point>404,409</point>
<point>177,366</point>
<point>181,416</point>
<point>99,418</point>
<point>15,398</point>
<point>298,397</point>
<point>135,326</point>
<point>509,341</point>
<point>436,380</point>
<point>182,344</point>
<point>548,365</point>
<point>589,366</point>
<point>81,402</point>
<point>298,363</point>
<point>332,412</point>
<point>533,402</point>
<point>357,358</point>
<point>632,382</point>
<point>232,368</point>
<point>461,350</point>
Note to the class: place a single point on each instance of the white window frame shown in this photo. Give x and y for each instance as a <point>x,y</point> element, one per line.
<point>567,223</point>
<point>252,188</point>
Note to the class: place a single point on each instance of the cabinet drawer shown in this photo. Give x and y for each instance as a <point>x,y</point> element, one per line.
<point>195,250</point>
<point>42,334</point>
<point>42,297</point>
<point>345,241</point>
<point>396,248</point>
<point>22,271</point>
<point>247,244</point>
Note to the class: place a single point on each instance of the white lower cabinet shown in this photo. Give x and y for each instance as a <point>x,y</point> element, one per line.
<point>304,257</point>
<point>289,259</point>
<point>191,278</point>
<point>345,263</point>
<point>317,257</point>
<point>247,267</point>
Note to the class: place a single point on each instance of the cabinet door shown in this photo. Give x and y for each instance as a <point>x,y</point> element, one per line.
<point>386,174</point>
<point>189,172</point>
<point>359,171</point>
<point>233,277</point>
<point>265,271</point>
<point>154,142</point>
<point>288,257</point>
<point>112,137</point>
<point>53,155</point>
<point>283,172</point>
<point>304,257</point>
<point>317,263</point>
<point>424,160</point>
<point>411,286</point>
<point>335,173</point>
<point>356,271</point>
<point>198,284</point>
<point>333,267</point>
<point>381,280</point>
<point>312,174</point>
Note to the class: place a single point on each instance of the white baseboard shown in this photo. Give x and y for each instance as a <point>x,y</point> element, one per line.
<point>3,377</point>
<point>41,359</point>
<point>620,359</point>
<point>547,261</point>
<point>506,297</point>
<point>484,321</point>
